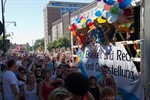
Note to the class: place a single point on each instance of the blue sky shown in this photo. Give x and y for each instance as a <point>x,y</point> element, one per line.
<point>28,15</point>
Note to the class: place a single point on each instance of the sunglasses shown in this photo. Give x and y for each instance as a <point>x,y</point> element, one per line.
<point>22,72</point>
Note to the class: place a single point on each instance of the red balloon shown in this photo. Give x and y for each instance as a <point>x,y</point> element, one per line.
<point>120,1</point>
<point>127,12</point>
<point>89,24</point>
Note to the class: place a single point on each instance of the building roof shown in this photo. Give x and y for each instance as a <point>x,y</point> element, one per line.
<point>68,2</point>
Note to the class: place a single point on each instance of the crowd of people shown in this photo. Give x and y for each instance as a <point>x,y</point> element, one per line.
<point>49,77</point>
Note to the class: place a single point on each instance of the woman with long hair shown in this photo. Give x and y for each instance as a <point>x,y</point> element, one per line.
<point>29,90</point>
<point>46,87</point>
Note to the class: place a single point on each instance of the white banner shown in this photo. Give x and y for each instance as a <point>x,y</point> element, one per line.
<point>120,66</point>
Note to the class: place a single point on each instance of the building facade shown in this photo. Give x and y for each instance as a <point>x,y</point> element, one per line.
<point>53,11</point>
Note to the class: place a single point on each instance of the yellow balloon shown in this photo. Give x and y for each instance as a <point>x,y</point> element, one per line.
<point>83,21</point>
<point>100,20</point>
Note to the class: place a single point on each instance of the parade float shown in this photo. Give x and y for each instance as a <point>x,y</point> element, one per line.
<point>112,38</point>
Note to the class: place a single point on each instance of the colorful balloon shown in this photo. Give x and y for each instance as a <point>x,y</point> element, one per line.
<point>121,11</point>
<point>89,24</point>
<point>113,18</point>
<point>92,27</point>
<point>83,25</point>
<point>124,4</point>
<point>79,26</point>
<point>78,20</point>
<point>114,10</point>
<point>73,33</point>
<point>81,17</point>
<point>100,20</point>
<point>127,12</point>
<point>83,21</point>
<point>122,19</point>
<point>88,20</point>
<point>98,13</point>
<point>108,14</point>
<point>107,7</point>
<point>110,2</point>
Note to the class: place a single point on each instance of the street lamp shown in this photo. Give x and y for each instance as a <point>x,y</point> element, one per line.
<point>3,21</point>
<point>10,22</point>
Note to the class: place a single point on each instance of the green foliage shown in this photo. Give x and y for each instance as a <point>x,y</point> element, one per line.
<point>1,40</point>
<point>39,44</point>
<point>62,42</point>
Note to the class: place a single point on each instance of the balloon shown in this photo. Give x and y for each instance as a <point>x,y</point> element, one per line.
<point>99,5</point>
<point>108,14</point>
<point>116,4</point>
<point>83,25</point>
<point>120,1</point>
<point>73,33</point>
<point>81,17</point>
<point>112,18</point>
<point>100,20</point>
<point>107,7</point>
<point>83,21</point>
<point>78,20</point>
<point>88,20</point>
<point>121,11</point>
<point>122,19</point>
<point>74,25</point>
<point>79,26</point>
<point>127,12</point>
<point>72,29</point>
<point>98,13</point>
<point>104,1</point>
<point>114,10</point>
<point>89,24</point>
<point>92,27</point>
<point>110,2</point>
<point>124,4</point>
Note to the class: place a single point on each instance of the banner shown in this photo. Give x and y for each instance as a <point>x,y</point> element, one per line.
<point>120,66</point>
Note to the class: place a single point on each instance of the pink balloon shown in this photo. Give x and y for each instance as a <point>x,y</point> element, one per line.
<point>79,26</point>
<point>107,7</point>
<point>122,19</point>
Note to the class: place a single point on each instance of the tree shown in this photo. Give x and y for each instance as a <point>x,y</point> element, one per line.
<point>1,40</point>
<point>39,44</point>
<point>62,42</point>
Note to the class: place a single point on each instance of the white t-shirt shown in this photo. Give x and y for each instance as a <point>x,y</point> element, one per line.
<point>8,79</point>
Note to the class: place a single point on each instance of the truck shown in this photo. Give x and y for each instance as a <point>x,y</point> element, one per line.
<point>125,50</point>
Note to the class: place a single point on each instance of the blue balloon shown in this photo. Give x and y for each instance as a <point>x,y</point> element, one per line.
<point>108,14</point>
<point>98,13</point>
<point>110,2</point>
<point>124,4</point>
<point>112,18</point>
<point>78,20</point>
<point>104,1</point>
<point>88,20</point>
